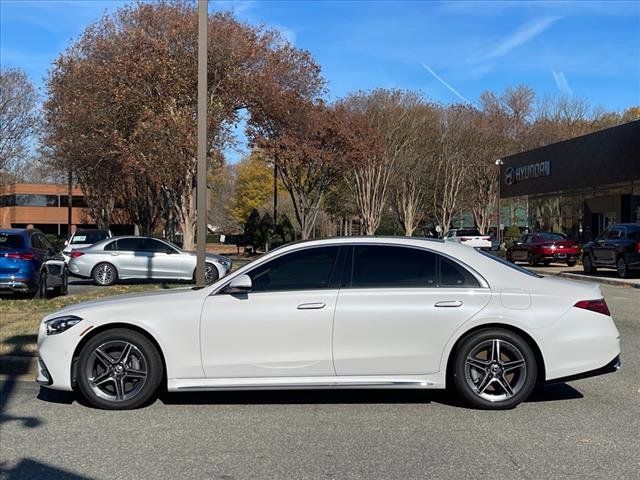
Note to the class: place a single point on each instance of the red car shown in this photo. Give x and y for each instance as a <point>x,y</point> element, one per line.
<point>545,247</point>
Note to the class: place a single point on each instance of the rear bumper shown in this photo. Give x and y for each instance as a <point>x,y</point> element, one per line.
<point>613,366</point>
<point>561,257</point>
<point>16,285</point>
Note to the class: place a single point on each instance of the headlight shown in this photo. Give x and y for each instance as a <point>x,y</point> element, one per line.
<point>60,324</point>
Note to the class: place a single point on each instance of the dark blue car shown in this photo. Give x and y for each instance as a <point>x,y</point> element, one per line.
<point>29,264</point>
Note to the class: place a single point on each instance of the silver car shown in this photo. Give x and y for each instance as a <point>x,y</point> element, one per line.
<point>123,258</point>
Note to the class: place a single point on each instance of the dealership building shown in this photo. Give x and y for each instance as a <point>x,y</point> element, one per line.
<point>578,186</point>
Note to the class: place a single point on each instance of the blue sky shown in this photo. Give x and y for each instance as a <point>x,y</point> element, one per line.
<point>449,50</point>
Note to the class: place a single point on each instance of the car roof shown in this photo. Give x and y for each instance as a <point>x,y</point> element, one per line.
<point>19,231</point>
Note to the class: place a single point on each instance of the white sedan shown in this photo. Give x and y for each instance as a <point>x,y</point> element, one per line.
<point>329,314</point>
<point>470,237</point>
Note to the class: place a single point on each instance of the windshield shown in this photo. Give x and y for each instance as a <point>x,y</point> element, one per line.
<point>509,264</point>
<point>552,236</point>
<point>10,241</point>
<point>90,237</point>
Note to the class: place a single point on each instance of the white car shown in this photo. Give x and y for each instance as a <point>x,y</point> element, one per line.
<point>329,314</point>
<point>470,237</point>
<point>83,238</point>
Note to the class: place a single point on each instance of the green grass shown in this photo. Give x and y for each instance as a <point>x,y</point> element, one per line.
<point>19,319</point>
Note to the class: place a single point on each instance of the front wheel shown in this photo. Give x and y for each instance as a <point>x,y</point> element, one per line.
<point>531,260</point>
<point>587,264</point>
<point>622,268</point>
<point>495,369</point>
<point>119,369</point>
<point>571,263</point>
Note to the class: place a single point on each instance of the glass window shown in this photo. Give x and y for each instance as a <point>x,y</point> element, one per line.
<point>633,233</point>
<point>468,232</point>
<point>152,245</point>
<point>384,266</point>
<point>9,241</point>
<point>552,237</point>
<point>130,244</point>
<point>89,236</point>
<point>615,234</point>
<point>455,275</point>
<point>111,246</point>
<point>308,269</point>
<point>25,200</point>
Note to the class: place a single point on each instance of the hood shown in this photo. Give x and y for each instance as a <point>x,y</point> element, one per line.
<point>212,256</point>
<point>121,300</point>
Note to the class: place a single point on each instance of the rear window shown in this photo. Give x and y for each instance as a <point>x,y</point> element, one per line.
<point>547,237</point>
<point>633,233</point>
<point>11,241</point>
<point>509,264</point>
<point>90,237</point>
<point>468,232</point>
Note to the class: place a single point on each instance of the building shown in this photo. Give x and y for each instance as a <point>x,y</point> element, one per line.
<point>578,186</point>
<point>46,207</point>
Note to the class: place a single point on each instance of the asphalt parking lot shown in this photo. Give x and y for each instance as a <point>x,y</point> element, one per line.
<point>584,429</point>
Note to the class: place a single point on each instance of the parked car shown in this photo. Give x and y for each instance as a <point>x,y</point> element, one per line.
<point>124,258</point>
<point>327,313</point>
<point>544,247</point>
<point>84,238</point>
<point>617,247</point>
<point>29,264</point>
<point>470,237</point>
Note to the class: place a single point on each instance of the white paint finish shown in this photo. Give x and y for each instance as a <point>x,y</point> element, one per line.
<point>398,331</point>
<point>267,335</point>
<point>515,299</point>
<point>396,334</point>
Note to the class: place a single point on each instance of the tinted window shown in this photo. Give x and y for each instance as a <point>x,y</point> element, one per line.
<point>615,234</point>
<point>454,275</point>
<point>551,237</point>
<point>308,269</point>
<point>36,242</point>
<point>633,233</point>
<point>9,241</point>
<point>152,245</point>
<point>383,266</point>
<point>468,232</point>
<point>89,236</point>
<point>130,244</point>
<point>111,246</point>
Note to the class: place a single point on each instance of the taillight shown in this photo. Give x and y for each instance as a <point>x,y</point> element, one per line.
<point>76,254</point>
<point>464,239</point>
<point>486,238</point>
<point>638,247</point>
<point>598,306</point>
<point>21,256</point>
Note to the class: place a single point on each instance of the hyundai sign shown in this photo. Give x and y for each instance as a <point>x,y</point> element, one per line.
<point>527,172</point>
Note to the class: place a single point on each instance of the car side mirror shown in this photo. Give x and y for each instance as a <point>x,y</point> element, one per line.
<point>241,284</point>
<point>66,242</point>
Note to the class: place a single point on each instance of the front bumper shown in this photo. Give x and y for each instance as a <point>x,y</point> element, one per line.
<point>55,354</point>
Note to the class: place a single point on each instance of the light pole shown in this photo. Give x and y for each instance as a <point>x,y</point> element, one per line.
<point>201,174</point>
<point>499,164</point>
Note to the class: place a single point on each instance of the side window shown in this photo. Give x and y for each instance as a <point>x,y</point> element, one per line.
<point>455,275</point>
<point>308,269</point>
<point>130,244</point>
<point>111,246</point>
<point>45,243</point>
<point>615,234</point>
<point>633,234</point>
<point>156,246</point>
<point>383,266</point>
<point>35,242</point>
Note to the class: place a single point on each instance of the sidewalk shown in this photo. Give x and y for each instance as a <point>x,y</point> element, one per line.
<point>608,277</point>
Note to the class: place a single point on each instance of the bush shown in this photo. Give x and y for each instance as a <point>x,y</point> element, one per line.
<point>55,241</point>
<point>511,234</point>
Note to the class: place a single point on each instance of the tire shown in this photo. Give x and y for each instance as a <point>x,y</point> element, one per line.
<point>587,264</point>
<point>622,268</point>
<point>138,376</point>
<point>104,274</point>
<point>571,263</point>
<point>63,289</point>
<point>42,291</point>
<point>531,260</point>
<point>509,257</point>
<point>484,383</point>
<point>546,263</point>
<point>211,273</point>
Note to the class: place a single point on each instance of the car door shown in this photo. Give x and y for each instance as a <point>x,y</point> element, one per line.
<point>519,251</point>
<point>399,309</point>
<point>607,250</point>
<point>39,248</point>
<point>166,261</point>
<point>130,258</point>
<point>282,327</point>
<point>599,248</point>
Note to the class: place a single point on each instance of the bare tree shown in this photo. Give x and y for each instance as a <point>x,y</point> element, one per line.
<point>18,117</point>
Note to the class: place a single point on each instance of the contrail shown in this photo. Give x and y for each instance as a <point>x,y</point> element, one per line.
<point>453,90</point>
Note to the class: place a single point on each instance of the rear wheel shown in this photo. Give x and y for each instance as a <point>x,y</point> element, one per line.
<point>509,257</point>
<point>571,263</point>
<point>495,369</point>
<point>546,263</point>
<point>42,291</point>
<point>63,289</point>
<point>119,369</point>
<point>104,274</point>
<point>587,264</point>
<point>622,268</point>
<point>531,260</point>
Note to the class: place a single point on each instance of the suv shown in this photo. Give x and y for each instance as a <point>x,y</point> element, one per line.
<point>617,247</point>
<point>84,238</point>
<point>29,264</point>
<point>470,237</point>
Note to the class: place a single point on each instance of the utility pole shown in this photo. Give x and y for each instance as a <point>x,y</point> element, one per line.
<point>499,164</point>
<point>201,194</point>
<point>69,202</point>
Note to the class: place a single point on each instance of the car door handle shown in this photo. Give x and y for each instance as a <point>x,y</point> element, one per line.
<point>311,306</point>
<point>449,303</point>
<point>114,254</point>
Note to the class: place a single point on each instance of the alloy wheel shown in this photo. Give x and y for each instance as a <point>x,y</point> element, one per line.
<point>210,275</point>
<point>495,370</point>
<point>621,267</point>
<point>105,274</point>
<point>117,371</point>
